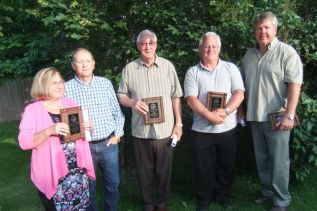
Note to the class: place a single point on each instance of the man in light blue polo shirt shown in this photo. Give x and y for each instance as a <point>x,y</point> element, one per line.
<point>273,74</point>
<point>215,133</point>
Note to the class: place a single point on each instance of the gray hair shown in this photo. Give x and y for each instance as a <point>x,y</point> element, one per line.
<point>265,16</point>
<point>74,54</point>
<point>209,34</point>
<point>146,32</point>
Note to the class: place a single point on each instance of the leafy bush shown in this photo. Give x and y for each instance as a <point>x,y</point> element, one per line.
<point>39,33</point>
<point>304,143</point>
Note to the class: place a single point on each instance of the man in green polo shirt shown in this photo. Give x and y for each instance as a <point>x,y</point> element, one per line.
<point>273,73</point>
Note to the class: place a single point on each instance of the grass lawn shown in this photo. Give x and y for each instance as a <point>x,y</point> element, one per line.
<point>18,194</point>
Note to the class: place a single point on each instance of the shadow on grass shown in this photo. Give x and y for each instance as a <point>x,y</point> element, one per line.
<point>16,189</point>
<point>17,192</point>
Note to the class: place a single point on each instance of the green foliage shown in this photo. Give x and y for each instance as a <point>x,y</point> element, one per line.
<point>304,144</point>
<point>234,27</point>
<point>44,34</point>
<point>39,33</point>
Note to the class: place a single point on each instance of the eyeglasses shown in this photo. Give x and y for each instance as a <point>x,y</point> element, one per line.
<point>84,61</point>
<point>58,83</point>
<point>207,47</point>
<point>151,44</point>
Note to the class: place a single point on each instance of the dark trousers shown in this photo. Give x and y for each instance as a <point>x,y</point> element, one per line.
<point>215,155</point>
<point>154,159</point>
<point>47,203</point>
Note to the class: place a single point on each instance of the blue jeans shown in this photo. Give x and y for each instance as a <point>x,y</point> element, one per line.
<point>107,158</point>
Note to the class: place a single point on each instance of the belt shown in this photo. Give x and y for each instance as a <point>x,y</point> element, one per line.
<point>101,140</point>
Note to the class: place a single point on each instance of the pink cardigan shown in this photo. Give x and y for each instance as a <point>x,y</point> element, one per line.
<point>48,162</point>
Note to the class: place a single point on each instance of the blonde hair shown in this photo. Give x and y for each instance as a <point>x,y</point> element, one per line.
<point>265,16</point>
<point>42,82</point>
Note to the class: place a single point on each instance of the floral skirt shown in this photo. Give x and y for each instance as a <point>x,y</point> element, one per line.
<point>72,191</point>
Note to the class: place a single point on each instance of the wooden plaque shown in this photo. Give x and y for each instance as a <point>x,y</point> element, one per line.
<point>74,118</point>
<point>276,117</point>
<point>216,100</point>
<point>156,110</point>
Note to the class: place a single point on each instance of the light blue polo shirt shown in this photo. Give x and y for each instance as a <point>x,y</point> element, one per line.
<point>225,78</point>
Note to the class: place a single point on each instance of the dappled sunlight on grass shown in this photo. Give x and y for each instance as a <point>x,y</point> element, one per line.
<point>9,141</point>
<point>18,193</point>
<point>16,188</point>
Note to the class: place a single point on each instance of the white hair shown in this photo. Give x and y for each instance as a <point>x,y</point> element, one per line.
<point>146,32</point>
<point>209,34</point>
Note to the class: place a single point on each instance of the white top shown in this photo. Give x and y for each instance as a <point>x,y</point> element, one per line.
<point>199,81</point>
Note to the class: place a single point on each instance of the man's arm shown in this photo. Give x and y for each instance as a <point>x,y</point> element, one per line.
<point>200,109</point>
<point>136,105</point>
<point>177,108</point>
<point>118,116</point>
<point>293,91</point>
<point>234,102</point>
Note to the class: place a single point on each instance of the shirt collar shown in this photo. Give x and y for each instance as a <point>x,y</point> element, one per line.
<point>82,83</point>
<point>156,62</point>
<point>205,68</point>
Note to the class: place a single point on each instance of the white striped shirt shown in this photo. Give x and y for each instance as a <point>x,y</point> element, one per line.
<point>139,81</point>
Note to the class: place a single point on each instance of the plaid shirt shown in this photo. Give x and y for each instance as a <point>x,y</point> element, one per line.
<point>99,98</point>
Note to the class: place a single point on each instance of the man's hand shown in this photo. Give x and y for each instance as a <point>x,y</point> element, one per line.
<point>177,130</point>
<point>285,124</point>
<point>140,106</point>
<point>216,118</point>
<point>113,140</point>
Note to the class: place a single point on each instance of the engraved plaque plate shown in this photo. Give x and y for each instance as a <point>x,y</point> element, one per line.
<point>156,110</point>
<point>216,100</point>
<point>276,117</point>
<point>74,118</point>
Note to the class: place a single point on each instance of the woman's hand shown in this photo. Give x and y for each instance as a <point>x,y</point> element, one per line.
<point>59,129</point>
<point>53,130</point>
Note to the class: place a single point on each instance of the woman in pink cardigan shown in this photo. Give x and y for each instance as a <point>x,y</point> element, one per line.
<point>59,170</point>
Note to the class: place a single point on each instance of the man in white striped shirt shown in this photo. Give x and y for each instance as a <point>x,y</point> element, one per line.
<point>152,76</point>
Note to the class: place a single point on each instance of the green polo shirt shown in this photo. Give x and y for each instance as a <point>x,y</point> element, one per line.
<point>266,78</point>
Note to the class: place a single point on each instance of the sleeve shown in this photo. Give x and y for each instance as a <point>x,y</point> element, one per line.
<point>116,112</point>
<point>27,128</point>
<point>236,78</point>
<point>190,84</point>
<point>293,72</point>
<point>176,89</point>
<point>123,85</point>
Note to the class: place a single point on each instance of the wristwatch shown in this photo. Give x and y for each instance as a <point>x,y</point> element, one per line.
<point>227,111</point>
<point>290,116</point>
<point>179,125</point>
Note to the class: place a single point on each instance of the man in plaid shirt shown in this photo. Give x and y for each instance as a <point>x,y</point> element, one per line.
<point>96,94</point>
